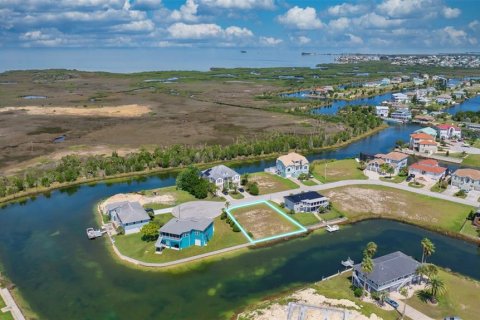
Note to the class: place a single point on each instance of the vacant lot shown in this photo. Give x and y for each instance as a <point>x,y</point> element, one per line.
<point>365,201</point>
<point>270,183</point>
<point>133,246</point>
<point>122,111</point>
<point>461,298</point>
<point>262,221</point>
<point>330,171</point>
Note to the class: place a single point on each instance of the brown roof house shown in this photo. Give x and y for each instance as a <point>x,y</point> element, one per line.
<point>466,179</point>
<point>395,159</point>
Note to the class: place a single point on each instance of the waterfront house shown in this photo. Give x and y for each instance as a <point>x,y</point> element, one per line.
<point>466,179</point>
<point>131,216</point>
<point>179,234</point>
<point>222,176</point>
<point>385,82</point>
<point>418,81</point>
<point>444,99</point>
<point>292,165</point>
<point>310,201</point>
<point>424,119</point>
<point>390,273</point>
<point>428,169</point>
<point>476,218</point>
<point>473,126</point>
<point>400,97</point>
<point>382,111</point>
<point>428,130</point>
<point>447,131</point>
<point>395,159</point>
<point>423,142</point>
<point>401,114</point>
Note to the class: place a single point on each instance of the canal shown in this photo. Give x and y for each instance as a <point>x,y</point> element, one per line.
<point>62,275</point>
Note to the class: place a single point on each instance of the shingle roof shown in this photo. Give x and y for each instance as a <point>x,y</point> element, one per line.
<point>389,267</point>
<point>128,212</point>
<point>179,226</point>
<point>291,158</point>
<point>310,195</point>
<point>218,172</point>
<point>397,156</point>
<point>470,173</point>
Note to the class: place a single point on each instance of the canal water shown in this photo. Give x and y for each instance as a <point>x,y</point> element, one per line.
<point>62,275</point>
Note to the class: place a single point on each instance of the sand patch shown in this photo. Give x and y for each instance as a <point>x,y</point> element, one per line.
<point>167,199</point>
<point>309,297</point>
<point>262,221</point>
<point>123,111</point>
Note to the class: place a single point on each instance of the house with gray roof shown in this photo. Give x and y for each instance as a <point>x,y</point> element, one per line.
<point>222,176</point>
<point>390,273</point>
<point>131,216</point>
<point>179,234</point>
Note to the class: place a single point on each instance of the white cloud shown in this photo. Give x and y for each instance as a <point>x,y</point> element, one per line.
<point>354,40</point>
<point>187,12</point>
<point>181,30</point>
<point>451,13</point>
<point>304,40</point>
<point>144,4</point>
<point>405,8</point>
<point>42,38</point>
<point>373,20</point>
<point>346,9</point>
<point>135,26</point>
<point>339,24</point>
<point>270,41</point>
<point>239,4</point>
<point>474,25</point>
<point>451,36</point>
<point>301,18</point>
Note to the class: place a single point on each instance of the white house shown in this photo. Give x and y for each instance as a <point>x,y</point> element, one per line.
<point>400,97</point>
<point>382,111</point>
<point>391,272</point>
<point>423,142</point>
<point>222,176</point>
<point>395,159</point>
<point>447,131</point>
<point>466,179</point>
<point>131,216</point>
<point>292,165</point>
<point>310,201</point>
<point>428,169</point>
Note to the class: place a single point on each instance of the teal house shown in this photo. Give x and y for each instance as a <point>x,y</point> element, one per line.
<point>292,165</point>
<point>427,130</point>
<point>179,234</point>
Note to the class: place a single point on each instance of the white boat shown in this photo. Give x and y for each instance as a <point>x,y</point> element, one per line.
<point>332,228</point>
<point>92,233</point>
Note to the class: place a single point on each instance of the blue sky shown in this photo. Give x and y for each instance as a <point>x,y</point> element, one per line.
<point>323,25</point>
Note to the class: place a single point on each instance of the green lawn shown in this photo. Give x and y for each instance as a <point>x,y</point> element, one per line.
<point>414,184</point>
<point>359,202</point>
<point>472,160</point>
<point>173,197</point>
<point>394,179</point>
<point>470,230</point>
<point>339,288</point>
<point>270,183</point>
<point>308,182</point>
<point>336,170</point>
<point>133,246</point>
<point>163,218</point>
<point>305,219</point>
<point>237,195</point>
<point>461,298</point>
<point>6,315</point>
<point>436,188</point>
<point>333,213</point>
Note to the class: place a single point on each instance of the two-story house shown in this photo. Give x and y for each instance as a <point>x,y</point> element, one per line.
<point>447,131</point>
<point>222,176</point>
<point>396,160</point>
<point>292,165</point>
<point>310,201</point>
<point>179,234</point>
<point>428,169</point>
<point>423,142</point>
<point>466,179</point>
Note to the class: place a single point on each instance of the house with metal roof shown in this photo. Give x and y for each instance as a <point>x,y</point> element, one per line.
<point>179,234</point>
<point>222,176</point>
<point>428,130</point>
<point>131,216</point>
<point>310,201</point>
<point>391,272</point>
<point>292,165</point>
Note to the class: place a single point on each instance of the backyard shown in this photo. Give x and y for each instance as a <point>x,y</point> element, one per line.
<point>460,299</point>
<point>133,246</point>
<point>262,221</point>
<point>6,315</point>
<point>270,183</point>
<point>472,160</point>
<point>331,171</point>
<point>170,197</point>
<point>359,202</point>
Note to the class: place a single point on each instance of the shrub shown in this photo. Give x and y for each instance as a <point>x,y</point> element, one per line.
<point>250,234</point>
<point>282,205</point>
<point>235,228</point>
<point>252,188</point>
<point>120,230</point>
<point>223,216</point>
<point>149,231</point>
<point>358,292</point>
<point>291,211</point>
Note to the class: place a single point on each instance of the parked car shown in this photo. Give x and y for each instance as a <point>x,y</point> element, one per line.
<point>410,177</point>
<point>452,318</point>
<point>391,302</point>
<point>241,190</point>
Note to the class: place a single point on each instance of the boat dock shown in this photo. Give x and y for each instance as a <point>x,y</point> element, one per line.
<point>95,233</point>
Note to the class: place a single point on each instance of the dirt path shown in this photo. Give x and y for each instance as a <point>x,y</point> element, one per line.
<point>122,111</point>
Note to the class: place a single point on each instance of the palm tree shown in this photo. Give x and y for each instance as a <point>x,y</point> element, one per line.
<point>428,248</point>
<point>422,271</point>
<point>227,204</point>
<point>370,249</point>
<point>367,268</point>
<point>437,287</point>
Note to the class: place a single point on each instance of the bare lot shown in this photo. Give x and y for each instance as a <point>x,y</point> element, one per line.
<point>112,111</point>
<point>262,221</point>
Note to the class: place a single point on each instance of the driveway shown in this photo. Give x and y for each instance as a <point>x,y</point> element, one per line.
<point>458,147</point>
<point>199,209</point>
<point>473,195</point>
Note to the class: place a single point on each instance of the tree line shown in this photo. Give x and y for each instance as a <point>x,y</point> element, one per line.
<point>354,120</point>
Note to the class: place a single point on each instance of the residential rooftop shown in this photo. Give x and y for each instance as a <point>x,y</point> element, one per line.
<point>310,195</point>
<point>180,226</point>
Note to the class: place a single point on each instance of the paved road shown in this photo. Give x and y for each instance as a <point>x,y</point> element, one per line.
<point>202,209</point>
<point>11,304</point>
<point>411,312</point>
<point>433,156</point>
